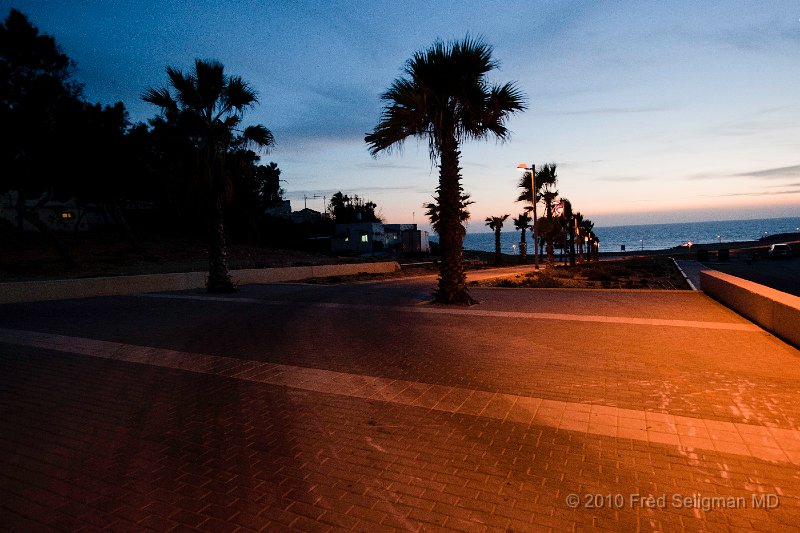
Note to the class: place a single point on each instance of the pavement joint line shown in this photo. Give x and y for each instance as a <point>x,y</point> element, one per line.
<point>773,444</point>
<point>658,322</point>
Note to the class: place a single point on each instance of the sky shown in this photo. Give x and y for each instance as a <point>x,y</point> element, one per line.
<point>654,112</point>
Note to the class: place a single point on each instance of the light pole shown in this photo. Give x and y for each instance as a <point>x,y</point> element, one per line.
<point>532,169</point>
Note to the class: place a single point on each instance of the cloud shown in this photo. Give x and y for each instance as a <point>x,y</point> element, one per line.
<point>336,111</point>
<point>361,190</point>
<point>398,166</point>
<point>767,174</point>
<point>759,193</point>
<point>610,111</point>
<point>772,173</point>
<point>623,179</point>
<point>758,38</point>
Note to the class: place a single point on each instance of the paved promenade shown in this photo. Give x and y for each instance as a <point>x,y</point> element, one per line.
<point>363,407</point>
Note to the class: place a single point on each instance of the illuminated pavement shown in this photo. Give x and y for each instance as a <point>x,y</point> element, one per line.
<point>363,407</point>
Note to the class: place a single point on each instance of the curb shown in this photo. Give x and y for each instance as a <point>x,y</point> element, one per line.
<point>773,310</point>
<point>37,291</point>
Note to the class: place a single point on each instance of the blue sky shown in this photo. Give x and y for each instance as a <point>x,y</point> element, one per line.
<point>654,111</point>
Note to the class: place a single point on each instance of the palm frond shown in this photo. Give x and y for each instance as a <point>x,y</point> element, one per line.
<point>239,94</point>
<point>258,135</point>
<point>162,98</point>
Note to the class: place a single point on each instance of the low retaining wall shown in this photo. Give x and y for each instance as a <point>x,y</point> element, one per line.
<point>35,291</point>
<point>773,310</point>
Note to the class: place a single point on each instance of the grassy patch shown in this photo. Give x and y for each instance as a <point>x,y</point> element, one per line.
<point>635,273</point>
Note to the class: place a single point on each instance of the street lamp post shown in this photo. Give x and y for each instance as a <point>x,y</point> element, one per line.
<point>532,169</point>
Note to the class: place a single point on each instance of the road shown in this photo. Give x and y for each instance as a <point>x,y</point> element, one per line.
<point>364,407</point>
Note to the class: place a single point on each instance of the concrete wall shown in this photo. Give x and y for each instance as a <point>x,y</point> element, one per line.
<point>775,311</point>
<point>34,291</point>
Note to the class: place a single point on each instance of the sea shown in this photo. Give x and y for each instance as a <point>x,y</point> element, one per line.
<point>652,236</point>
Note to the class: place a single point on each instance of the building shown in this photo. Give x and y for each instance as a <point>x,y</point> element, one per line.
<point>371,237</point>
<point>406,238</point>
<point>306,216</point>
<point>358,238</point>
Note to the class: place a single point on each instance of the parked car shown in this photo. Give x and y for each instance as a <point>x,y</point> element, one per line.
<point>780,251</point>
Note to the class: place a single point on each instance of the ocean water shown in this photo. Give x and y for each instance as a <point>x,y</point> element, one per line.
<point>652,236</point>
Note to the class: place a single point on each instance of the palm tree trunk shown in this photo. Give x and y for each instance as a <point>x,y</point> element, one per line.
<point>219,279</point>
<point>452,280</point>
<point>523,248</point>
<point>497,255</point>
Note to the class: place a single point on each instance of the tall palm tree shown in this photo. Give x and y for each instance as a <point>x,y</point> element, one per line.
<point>206,111</point>
<point>577,217</point>
<point>531,201</point>
<point>587,237</point>
<point>548,178</point>
<point>444,97</point>
<point>496,225</point>
<point>569,227</point>
<point>522,223</point>
<point>590,238</point>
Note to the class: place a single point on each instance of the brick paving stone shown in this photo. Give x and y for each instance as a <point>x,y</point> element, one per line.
<point>110,443</point>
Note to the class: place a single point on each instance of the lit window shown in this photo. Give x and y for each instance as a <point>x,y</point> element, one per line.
<point>364,237</point>
<point>66,215</point>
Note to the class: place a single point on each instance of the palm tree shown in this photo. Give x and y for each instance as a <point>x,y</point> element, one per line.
<point>445,97</point>
<point>588,228</point>
<point>547,179</point>
<point>522,223</point>
<point>577,224</point>
<point>205,112</point>
<point>496,225</point>
<point>587,237</point>
<point>527,196</point>
<point>569,227</point>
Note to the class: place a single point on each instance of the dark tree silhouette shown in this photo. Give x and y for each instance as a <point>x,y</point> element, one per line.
<point>345,209</point>
<point>522,223</point>
<point>496,225</point>
<point>37,99</point>
<point>445,97</point>
<point>548,178</point>
<point>569,229</point>
<point>103,175</point>
<point>268,186</point>
<point>205,113</point>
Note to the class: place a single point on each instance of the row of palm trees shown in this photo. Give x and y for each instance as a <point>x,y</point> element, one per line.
<point>559,225</point>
